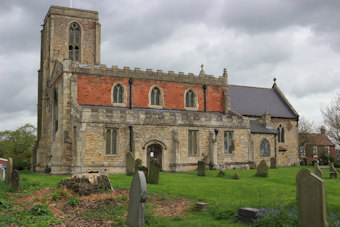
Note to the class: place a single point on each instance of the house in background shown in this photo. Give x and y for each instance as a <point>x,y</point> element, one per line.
<point>316,147</point>
<point>3,162</point>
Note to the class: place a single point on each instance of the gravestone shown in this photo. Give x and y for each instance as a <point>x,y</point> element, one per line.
<point>154,171</point>
<point>221,174</point>
<point>138,196</point>
<point>138,164</point>
<point>130,163</point>
<point>2,174</point>
<point>201,206</point>
<point>146,172</point>
<point>9,170</point>
<point>15,180</point>
<point>273,162</point>
<point>201,168</point>
<point>318,171</point>
<point>311,199</point>
<point>248,214</point>
<point>262,169</point>
<point>333,174</point>
<point>236,176</point>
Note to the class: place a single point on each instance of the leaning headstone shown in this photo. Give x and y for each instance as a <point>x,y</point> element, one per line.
<point>2,174</point>
<point>154,171</point>
<point>130,163</point>
<point>273,162</point>
<point>15,180</point>
<point>201,168</point>
<point>311,199</point>
<point>9,170</point>
<point>333,174</point>
<point>138,164</point>
<point>248,214</point>
<point>262,169</point>
<point>318,171</point>
<point>138,196</point>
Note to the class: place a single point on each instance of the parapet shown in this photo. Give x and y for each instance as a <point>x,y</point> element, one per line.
<point>148,74</point>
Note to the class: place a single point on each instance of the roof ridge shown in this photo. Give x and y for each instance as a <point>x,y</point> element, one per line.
<point>233,85</point>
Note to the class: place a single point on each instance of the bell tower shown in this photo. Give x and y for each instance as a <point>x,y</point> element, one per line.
<point>67,34</point>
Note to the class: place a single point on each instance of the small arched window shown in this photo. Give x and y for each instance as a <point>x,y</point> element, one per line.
<point>265,148</point>
<point>55,110</point>
<point>74,42</point>
<point>281,134</point>
<point>190,99</point>
<point>155,96</point>
<point>118,93</point>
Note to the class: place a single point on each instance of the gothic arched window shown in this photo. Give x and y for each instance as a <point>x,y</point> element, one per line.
<point>265,148</point>
<point>118,93</point>
<point>155,96</point>
<point>74,42</point>
<point>281,134</point>
<point>190,99</point>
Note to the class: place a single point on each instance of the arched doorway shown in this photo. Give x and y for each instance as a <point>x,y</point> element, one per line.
<point>154,151</point>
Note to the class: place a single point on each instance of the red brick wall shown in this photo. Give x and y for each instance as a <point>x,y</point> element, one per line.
<point>96,90</point>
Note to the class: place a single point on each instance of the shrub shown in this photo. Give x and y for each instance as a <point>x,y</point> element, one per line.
<point>40,210</point>
<point>73,201</point>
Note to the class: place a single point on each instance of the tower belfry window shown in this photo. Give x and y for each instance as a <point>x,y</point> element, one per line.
<point>74,42</point>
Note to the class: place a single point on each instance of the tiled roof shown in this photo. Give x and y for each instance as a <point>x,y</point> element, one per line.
<point>321,140</point>
<point>254,101</point>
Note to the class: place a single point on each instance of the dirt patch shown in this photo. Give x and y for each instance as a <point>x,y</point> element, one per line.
<point>162,205</point>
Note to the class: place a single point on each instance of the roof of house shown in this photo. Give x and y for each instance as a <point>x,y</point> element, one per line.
<point>321,140</point>
<point>254,101</point>
<point>258,127</point>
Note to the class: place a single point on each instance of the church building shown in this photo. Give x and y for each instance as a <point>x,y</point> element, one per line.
<point>91,115</point>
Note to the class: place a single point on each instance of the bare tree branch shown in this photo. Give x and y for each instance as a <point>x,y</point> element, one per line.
<point>331,118</point>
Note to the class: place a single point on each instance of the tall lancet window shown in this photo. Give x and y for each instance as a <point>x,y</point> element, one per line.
<point>155,96</point>
<point>190,99</point>
<point>118,94</point>
<point>74,42</point>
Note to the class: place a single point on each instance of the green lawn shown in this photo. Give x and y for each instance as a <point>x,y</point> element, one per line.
<point>224,194</point>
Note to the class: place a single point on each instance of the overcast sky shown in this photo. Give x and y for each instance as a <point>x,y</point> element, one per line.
<point>298,42</point>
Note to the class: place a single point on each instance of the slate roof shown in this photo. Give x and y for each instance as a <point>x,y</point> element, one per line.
<point>258,127</point>
<point>254,101</point>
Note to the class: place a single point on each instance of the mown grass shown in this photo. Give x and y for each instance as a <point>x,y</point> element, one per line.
<point>224,195</point>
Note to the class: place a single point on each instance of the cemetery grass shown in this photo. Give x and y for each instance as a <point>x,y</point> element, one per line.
<point>170,203</point>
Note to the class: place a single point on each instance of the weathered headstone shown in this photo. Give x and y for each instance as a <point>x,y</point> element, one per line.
<point>9,170</point>
<point>130,163</point>
<point>273,162</point>
<point>138,164</point>
<point>311,199</point>
<point>248,214</point>
<point>333,174</point>
<point>318,171</point>
<point>138,196</point>
<point>154,171</point>
<point>201,168</point>
<point>146,172</point>
<point>15,180</point>
<point>236,176</point>
<point>201,206</point>
<point>262,169</point>
<point>2,174</point>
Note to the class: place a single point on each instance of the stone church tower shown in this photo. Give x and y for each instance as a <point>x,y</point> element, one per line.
<point>67,34</point>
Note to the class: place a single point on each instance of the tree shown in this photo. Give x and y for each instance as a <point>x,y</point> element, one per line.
<point>331,118</point>
<point>18,144</point>
<point>306,128</point>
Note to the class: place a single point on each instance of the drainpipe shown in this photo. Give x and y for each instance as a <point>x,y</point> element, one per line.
<point>205,97</point>
<point>275,144</point>
<point>131,137</point>
<point>130,91</point>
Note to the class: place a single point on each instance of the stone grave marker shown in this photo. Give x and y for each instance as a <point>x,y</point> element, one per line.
<point>248,214</point>
<point>201,168</point>
<point>130,163</point>
<point>333,174</point>
<point>311,199</point>
<point>15,180</point>
<point>273,162</point>
<point>318,171</point>
<point>154,171</point>
<point>138,196</point>
<point>9,170</point>
<point>138,164</point>
<point>262,169</point>
<point>2,174</point>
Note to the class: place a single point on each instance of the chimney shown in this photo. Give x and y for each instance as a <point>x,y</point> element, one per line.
<point>322,130</point>
<point>266,118</point>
